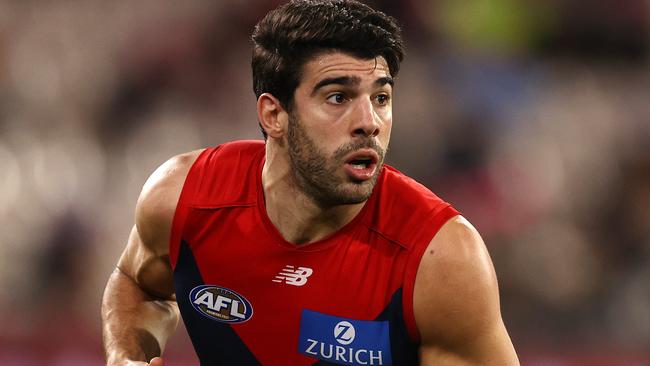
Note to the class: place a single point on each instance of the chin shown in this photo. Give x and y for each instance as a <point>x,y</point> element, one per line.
<point>354,192</point>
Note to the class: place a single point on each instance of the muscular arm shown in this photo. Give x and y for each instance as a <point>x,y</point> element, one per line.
<point>456,302</point>
<point>139,311</point>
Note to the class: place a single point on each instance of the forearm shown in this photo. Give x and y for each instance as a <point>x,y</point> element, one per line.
<point>136,326</point>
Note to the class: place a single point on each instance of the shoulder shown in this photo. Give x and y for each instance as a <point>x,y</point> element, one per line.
<point>456,290</point>
<point>407,211</point>
<point>403,194</point>
<point>157,202</point>
<point>406,190</point>
<point>456,302</point>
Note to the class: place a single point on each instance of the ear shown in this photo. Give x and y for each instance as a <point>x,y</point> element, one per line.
<point>272,115</point>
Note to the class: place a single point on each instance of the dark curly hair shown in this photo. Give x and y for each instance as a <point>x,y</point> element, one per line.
<point>287,37</point>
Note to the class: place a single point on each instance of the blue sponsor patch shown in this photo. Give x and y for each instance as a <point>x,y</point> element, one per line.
<point>344,341</point>
<point>220,304</point>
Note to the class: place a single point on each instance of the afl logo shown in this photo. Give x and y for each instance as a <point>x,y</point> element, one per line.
<point>220,304</point>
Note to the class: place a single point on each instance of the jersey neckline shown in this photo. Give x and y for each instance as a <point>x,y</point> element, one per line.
<point>318,245</point>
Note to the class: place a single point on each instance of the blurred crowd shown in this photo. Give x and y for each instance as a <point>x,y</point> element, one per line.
<point>532,118</point>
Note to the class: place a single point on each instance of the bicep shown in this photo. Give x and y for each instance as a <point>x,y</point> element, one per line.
<point>488,346</point>
<point>147,265</point>
<point>146,257</point>
<point>456,302</point>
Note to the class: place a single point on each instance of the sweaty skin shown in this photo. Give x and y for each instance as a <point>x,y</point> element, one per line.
<point>456,300</point>
<point>139,310</point>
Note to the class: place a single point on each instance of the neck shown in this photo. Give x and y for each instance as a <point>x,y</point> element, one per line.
<point>298,217</point>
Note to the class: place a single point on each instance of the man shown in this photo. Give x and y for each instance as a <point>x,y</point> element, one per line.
<point>305,249</point>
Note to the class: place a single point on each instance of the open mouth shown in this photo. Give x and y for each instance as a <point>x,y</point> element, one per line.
<point>362,165</point>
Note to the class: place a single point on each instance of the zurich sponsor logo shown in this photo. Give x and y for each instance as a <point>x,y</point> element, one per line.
<point>344,341</point>
<point>344,332</point>
<point>220,304</point>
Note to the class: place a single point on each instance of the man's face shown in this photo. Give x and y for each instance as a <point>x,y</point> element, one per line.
<point>339,127</point>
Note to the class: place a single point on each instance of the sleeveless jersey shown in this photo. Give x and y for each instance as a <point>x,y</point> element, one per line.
<point>248,297</point>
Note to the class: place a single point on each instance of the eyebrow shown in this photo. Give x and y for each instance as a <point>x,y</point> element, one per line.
<point>350,81</point>
<point>385,80</point>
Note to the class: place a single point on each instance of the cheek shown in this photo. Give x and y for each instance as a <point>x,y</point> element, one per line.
<point>387,126</point>
<point>324,140</point>
<point>385,139</point>
<point>387,116</point>
<point>384,115</point>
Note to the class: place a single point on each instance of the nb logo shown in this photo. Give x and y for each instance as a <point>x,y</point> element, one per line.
<point>293,276</point>
<point>344,333</point>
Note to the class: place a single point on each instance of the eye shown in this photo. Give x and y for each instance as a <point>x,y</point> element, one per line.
<point>336,98</point>
<point>382,99</point>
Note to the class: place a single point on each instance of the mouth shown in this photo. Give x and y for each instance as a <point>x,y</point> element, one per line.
<point>361,165</point>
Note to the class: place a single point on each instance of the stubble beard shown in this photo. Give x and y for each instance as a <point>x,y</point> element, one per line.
<point>318,177</point>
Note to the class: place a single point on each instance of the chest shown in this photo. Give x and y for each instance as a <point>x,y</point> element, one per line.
<point>355,272</point>
<point>282,299</point>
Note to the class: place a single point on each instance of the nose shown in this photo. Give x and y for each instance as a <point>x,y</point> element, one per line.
<point>365,121</point>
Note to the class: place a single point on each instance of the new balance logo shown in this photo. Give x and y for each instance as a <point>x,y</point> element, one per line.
<point>293,276</point>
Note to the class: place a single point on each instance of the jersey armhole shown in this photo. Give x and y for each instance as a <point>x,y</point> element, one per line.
<point>191,185</point>
<point>412,265</point>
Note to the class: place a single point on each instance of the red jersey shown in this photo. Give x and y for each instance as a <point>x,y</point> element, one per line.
<point>249,297</point>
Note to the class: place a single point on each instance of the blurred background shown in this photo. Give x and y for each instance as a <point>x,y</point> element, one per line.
<point>532,118</point>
